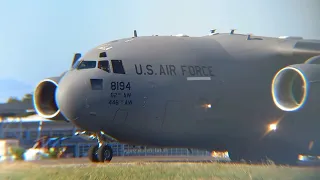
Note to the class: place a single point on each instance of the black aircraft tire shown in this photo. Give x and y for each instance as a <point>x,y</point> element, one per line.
<point>92,153</point>
<point>234,156</point>
<point>267,151</point>
<point>281,153</point>
<point>250,154</point>
<point>277,157</point>
<point>105,153</point>
<point>284,158</point>
<point>238,155</point>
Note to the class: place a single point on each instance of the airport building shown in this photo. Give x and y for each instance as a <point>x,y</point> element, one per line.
<point>28,130</point>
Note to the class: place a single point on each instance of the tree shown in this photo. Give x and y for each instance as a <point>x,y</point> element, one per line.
<point>27,98</point>
<point>18,152</point>
<point>13,100</point>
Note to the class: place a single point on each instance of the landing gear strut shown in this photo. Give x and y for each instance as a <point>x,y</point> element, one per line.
<point>101,152</point>
<point>279,153</point>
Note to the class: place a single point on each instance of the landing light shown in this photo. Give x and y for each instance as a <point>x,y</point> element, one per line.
<point>273,126</point>
<point>208,105</point>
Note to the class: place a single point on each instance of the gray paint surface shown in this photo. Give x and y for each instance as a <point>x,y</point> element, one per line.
<point>169,110</point>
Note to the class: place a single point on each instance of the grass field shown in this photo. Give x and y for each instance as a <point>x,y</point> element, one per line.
<point>141,170</point>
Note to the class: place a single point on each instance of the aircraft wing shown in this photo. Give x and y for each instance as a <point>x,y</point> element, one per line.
<point>16,109</point>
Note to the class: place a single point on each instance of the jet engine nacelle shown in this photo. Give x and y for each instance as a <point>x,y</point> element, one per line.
<point>45,99</point>
<point>295,86</point>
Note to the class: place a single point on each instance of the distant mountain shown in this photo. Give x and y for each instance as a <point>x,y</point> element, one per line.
<point>11,87</point>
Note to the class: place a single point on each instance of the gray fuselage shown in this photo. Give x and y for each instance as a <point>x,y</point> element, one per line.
<point>197,92</point>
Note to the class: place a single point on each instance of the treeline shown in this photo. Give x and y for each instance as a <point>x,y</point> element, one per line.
<point>25,98</point>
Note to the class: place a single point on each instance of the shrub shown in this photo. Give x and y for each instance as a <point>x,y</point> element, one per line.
<point>53,153</point>
<point>18,152</point>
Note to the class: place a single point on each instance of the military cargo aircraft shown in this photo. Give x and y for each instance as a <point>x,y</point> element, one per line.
<point>253,96</point>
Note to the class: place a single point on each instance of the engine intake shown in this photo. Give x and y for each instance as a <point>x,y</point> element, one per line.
<point>45,99</point>
<point>295,85</point>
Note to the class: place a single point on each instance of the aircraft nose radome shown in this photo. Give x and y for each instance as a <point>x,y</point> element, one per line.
<point>69,98</point>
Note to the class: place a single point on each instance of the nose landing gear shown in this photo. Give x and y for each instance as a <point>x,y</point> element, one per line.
<point>101,152</point>
<point>105,153</point>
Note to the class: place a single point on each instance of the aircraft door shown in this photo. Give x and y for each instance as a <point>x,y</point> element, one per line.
<point>153,104</point>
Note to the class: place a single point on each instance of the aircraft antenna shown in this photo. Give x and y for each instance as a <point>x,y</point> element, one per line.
<point>232,31</point>
<point>249,37</point>
<point>213,31</point>
<point>135,33</point>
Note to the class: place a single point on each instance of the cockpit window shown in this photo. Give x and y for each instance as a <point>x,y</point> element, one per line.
<point>104,65</point>
<point>87,65</point>
<point>117,67</point>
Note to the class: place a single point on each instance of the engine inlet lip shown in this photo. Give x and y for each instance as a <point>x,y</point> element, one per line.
<point>35,100</point>
<point>274,88</point>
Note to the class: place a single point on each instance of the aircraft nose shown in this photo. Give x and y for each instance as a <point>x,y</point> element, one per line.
<point>70,97</point>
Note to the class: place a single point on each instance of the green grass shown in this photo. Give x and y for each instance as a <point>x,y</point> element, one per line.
<point>131,171</point>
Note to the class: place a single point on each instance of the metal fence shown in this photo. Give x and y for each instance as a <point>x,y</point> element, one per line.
<point>129,150</point>
<point>28,132</point>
